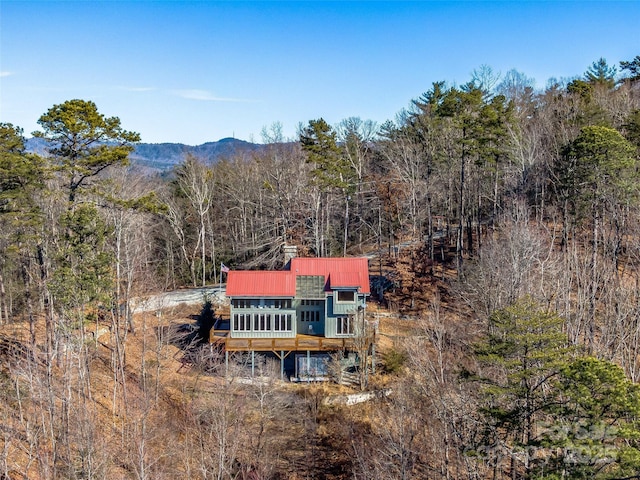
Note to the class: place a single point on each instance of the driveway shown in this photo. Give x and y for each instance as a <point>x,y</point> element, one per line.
<point>188,296</point>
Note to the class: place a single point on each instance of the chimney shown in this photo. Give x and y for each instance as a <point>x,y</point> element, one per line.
<point>290,251</point>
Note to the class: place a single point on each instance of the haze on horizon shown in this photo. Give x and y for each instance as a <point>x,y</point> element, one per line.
<point>195,72</point>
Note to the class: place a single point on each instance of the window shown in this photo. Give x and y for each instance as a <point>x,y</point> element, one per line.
<point>241,322</point>
<point>346,296</point>
<point>262,322</point>
<point>282,303</point>
<point>241,303</point>
<point>310,315</point>
<point>344,325</point>
<point>314,303</point>
<point>312,366</point>
<point>282,322</point>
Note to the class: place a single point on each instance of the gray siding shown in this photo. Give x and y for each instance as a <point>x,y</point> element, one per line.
<point>262,316</point>
<point>342,308</point>
<point>319,313</point>
<point>339,309</point>
<point>310,315</point>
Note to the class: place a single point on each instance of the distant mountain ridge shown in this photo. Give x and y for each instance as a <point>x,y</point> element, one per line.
<point>164,156</point>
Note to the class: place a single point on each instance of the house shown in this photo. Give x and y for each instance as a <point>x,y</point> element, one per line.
<point>314,305</point>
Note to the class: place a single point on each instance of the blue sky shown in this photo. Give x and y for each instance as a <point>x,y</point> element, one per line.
<point>193,72</point>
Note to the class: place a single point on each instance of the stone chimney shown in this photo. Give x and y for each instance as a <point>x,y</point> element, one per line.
<point>290,251</point>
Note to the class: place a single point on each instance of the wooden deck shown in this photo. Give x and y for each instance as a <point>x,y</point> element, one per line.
<point>299,343</point>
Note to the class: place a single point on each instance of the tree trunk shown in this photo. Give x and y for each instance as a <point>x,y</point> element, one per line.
<point>461,211</point>
<point>346,226</point>
<point>593,288</point>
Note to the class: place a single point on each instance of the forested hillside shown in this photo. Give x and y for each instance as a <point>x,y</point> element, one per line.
<point>503,223</point>
<point>163,156</point>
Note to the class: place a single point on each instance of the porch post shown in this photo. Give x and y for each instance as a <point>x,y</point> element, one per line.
<point>308,366</point>
<point>281,364</point>
<point>253,362</point>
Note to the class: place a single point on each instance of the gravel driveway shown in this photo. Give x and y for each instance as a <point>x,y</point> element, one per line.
<point>188,296</point>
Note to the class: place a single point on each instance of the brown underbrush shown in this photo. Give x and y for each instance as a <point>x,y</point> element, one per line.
<point>156,403</point>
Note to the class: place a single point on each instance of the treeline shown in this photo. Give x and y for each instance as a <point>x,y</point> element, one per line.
<point>520,193</point>
<point>450,166</point>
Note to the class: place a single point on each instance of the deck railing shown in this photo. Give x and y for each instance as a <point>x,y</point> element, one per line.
<point>297,343</point>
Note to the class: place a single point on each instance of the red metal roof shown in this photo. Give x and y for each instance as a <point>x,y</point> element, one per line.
<point>341,272</point>
<point>250,283</point>
<point>338,273</point>
<point>344,279</point>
